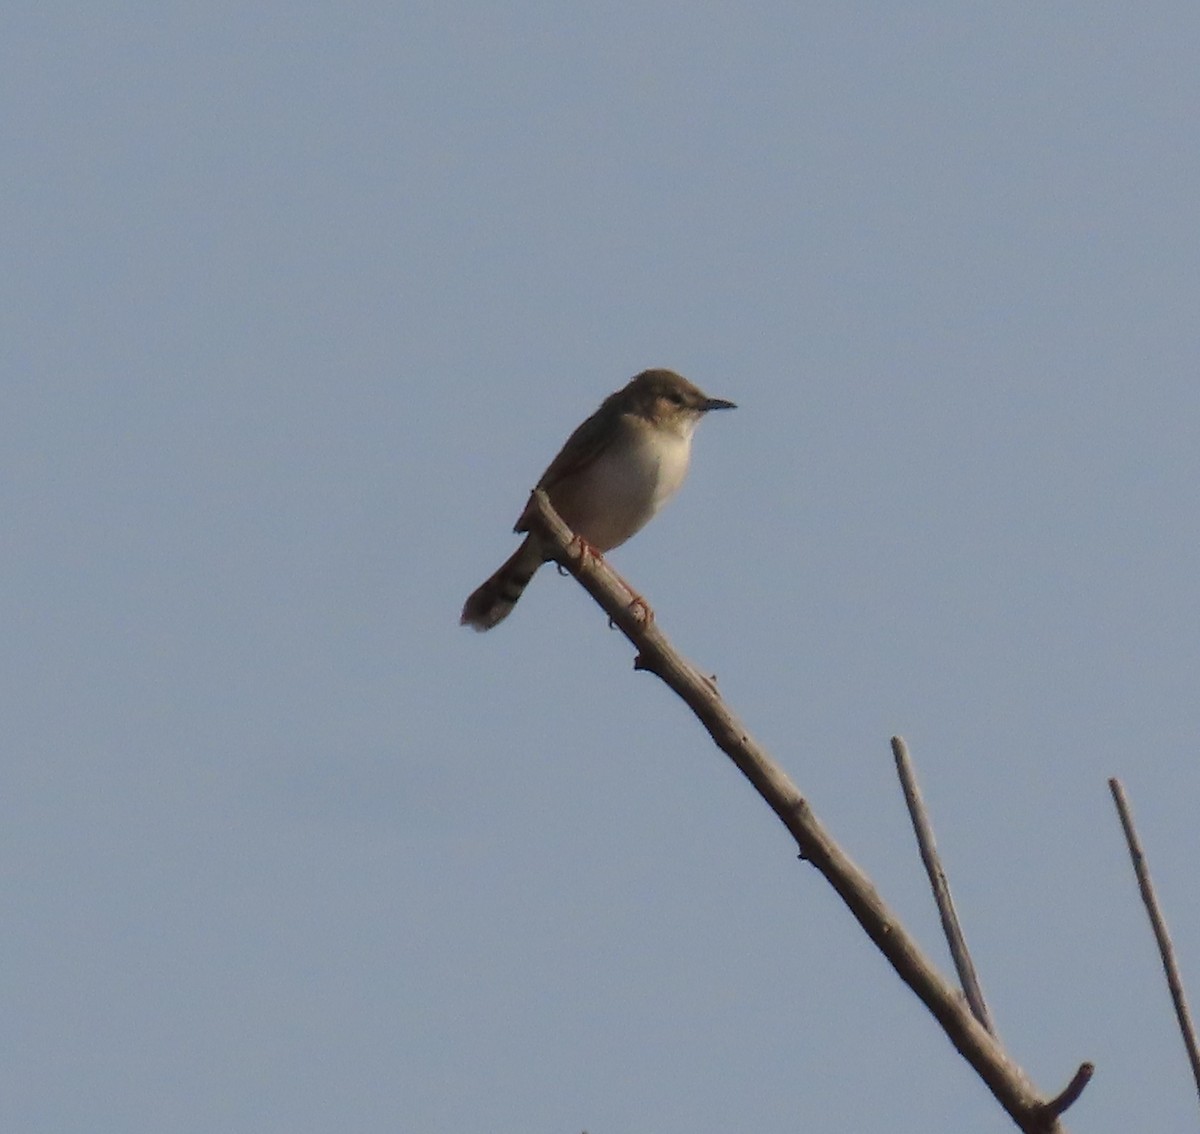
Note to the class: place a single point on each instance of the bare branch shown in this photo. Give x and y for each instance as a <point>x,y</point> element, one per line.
<point>941,886</point>
<point>1165,949</point>
<point>1007,1082</point>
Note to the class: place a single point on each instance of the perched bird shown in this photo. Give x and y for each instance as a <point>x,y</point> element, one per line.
<point>613,474</point>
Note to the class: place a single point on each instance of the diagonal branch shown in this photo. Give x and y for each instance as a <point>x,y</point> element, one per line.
<point>1007,1082</point>
<point>1165,949</point>
<point>941,886</point>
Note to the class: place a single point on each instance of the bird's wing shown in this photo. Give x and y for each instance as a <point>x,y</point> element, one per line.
<point>582,447</point>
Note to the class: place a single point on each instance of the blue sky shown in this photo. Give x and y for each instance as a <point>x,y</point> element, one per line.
<point>300,299</point>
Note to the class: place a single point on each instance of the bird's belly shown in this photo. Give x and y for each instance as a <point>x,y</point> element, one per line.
<point>624,488</point>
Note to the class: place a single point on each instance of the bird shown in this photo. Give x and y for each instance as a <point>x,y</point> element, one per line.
<point>608,481</point>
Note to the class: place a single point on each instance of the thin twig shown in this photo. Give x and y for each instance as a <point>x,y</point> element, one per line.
<point>1007,1082</point>
<point>1165,949</point>
<point>941,886</point>
<point>1067,1096</point>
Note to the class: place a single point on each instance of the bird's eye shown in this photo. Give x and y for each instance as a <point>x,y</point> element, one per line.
<point>675,398</point>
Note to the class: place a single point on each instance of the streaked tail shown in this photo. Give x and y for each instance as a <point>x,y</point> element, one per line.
<point>492,601</point>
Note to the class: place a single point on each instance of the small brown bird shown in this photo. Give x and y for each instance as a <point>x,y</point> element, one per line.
<point>610,478</point>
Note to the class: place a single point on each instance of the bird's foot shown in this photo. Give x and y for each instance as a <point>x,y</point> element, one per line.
<point>580,549</point>
<point>638,607</point>
<point>641,607</point>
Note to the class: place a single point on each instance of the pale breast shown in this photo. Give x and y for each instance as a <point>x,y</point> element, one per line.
<point>625,486</point>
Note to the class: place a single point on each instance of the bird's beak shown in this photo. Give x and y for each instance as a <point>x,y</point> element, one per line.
<point>718,403</point>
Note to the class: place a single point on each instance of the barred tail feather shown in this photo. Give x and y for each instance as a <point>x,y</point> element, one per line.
<point>491,602</point>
